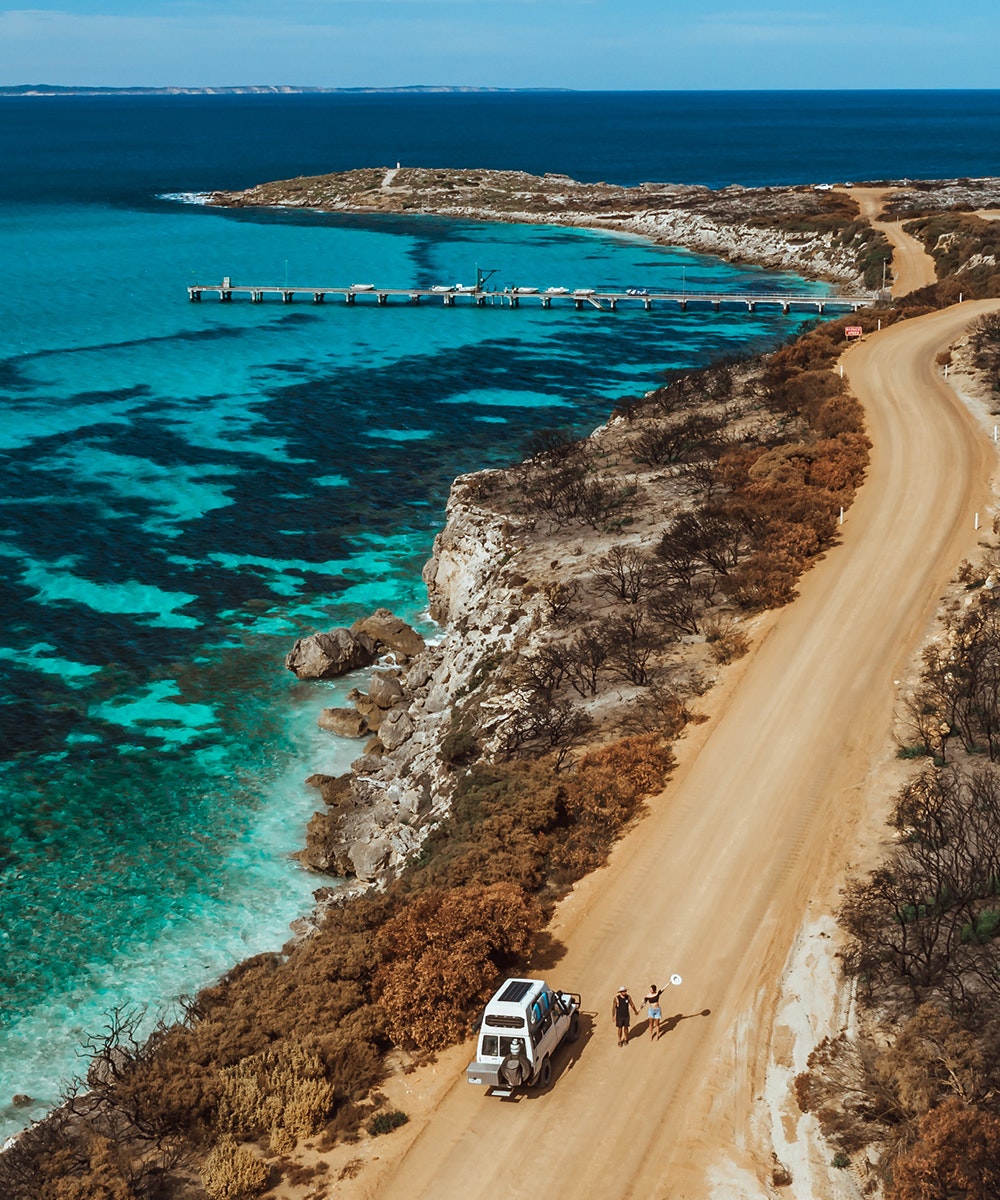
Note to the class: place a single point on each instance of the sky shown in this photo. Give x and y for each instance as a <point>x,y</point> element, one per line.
<point>583,44</point>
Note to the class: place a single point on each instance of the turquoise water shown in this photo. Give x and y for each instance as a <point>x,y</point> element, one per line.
<point>187,488</point>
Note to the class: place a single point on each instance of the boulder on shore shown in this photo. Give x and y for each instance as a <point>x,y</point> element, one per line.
<point>335,789</point>
<point>329,655</point>
<point>385,690</point>
<point>369,857</point>
<point>395,728</point>
<point>390,631</point>
<point>346,722</point>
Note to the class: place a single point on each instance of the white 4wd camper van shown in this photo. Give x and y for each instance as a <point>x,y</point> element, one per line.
<point>525,1020</point>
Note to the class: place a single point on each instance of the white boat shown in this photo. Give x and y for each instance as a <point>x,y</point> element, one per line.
<point>362,287</point>
<point>442,287</point>
<point>583,292</point>
<point>465,287</point>
<point>525,291</point>
<point>557,291</point>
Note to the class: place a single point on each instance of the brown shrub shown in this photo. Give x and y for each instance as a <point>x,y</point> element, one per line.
<point>232,1172</point>
<point>441,954</point>
<point>957,1154</point>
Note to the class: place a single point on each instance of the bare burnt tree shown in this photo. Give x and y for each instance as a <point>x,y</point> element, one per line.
<point>554,490</point>
<point>556,727</point>
<point>633,644</point>
<point>697,435</point>
<point>658,709</point>
<point>709,537</point>
<point>541,674</point>
<point>681,609</point>
<point>586,656</point>
<point>602,499</point>
<point>959,690</point>
<point>560,597</point>
<point>927,918</point>
<point>552,446</point>
<point>626,574</point>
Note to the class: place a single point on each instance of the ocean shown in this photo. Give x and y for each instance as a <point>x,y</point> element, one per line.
<point>188,488</point>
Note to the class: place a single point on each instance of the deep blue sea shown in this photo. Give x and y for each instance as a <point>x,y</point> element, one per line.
<point>187,488</point>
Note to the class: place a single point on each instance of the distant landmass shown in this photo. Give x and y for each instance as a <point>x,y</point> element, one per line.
<point>56,89</point>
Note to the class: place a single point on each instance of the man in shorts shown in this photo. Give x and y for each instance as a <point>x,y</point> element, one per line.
<point>622,1009</point>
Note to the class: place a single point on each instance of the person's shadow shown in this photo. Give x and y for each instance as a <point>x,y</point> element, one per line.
<point>669,1024</point>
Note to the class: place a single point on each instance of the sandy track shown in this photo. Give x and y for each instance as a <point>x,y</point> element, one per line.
<point>716,882</point>
<point>912,266</point>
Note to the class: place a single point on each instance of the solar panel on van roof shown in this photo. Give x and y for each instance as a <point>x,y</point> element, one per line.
<point>515,991</point>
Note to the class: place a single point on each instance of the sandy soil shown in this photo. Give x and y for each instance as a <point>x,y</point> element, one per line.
<point>735,867</point>
<point>912,266</point>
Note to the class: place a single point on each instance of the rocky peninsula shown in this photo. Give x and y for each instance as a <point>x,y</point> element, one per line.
<point>812,230</point>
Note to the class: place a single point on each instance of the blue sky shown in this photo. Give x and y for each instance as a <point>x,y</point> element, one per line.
<point>587,44</point>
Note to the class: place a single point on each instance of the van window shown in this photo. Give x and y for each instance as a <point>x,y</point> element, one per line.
<point>492,1046</point>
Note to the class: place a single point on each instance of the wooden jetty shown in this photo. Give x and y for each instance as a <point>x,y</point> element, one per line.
<point>514,297</point>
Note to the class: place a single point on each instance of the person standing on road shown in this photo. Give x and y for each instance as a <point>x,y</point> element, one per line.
<point>622,1008</point>
<point>653,1010</point>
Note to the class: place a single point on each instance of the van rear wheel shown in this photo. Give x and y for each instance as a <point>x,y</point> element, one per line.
<point>545,1074</point>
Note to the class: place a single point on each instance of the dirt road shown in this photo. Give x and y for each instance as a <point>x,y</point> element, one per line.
<point>755,829</point>
<point>912,266</point>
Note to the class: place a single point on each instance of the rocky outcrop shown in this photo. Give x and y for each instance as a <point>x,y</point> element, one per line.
<point>345,722</point>
<point>330,655</point>
<point>389,632</point>
<point>379,815</point>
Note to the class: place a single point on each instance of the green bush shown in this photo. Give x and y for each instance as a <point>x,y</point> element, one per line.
<point>386,1122</point>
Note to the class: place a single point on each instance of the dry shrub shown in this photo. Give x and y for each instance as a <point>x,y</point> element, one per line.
<point>231,1172</point>
<point>623,772</point>
<point>441,955</point>
<point>932,1058</point>
<point>104,1176</point>
<point>764,581</point>
<point>284,1092</point>
<point>957,1154</point>
<point>728,642</point>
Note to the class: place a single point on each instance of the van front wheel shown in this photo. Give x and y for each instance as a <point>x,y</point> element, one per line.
<point>574,1028</point>
<point>545,1074</point>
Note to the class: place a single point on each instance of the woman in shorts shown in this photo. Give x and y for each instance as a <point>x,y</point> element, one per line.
<point>653,1010</point>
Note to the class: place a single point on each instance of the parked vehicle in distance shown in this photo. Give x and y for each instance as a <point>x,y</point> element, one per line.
<point>523,1023</point>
